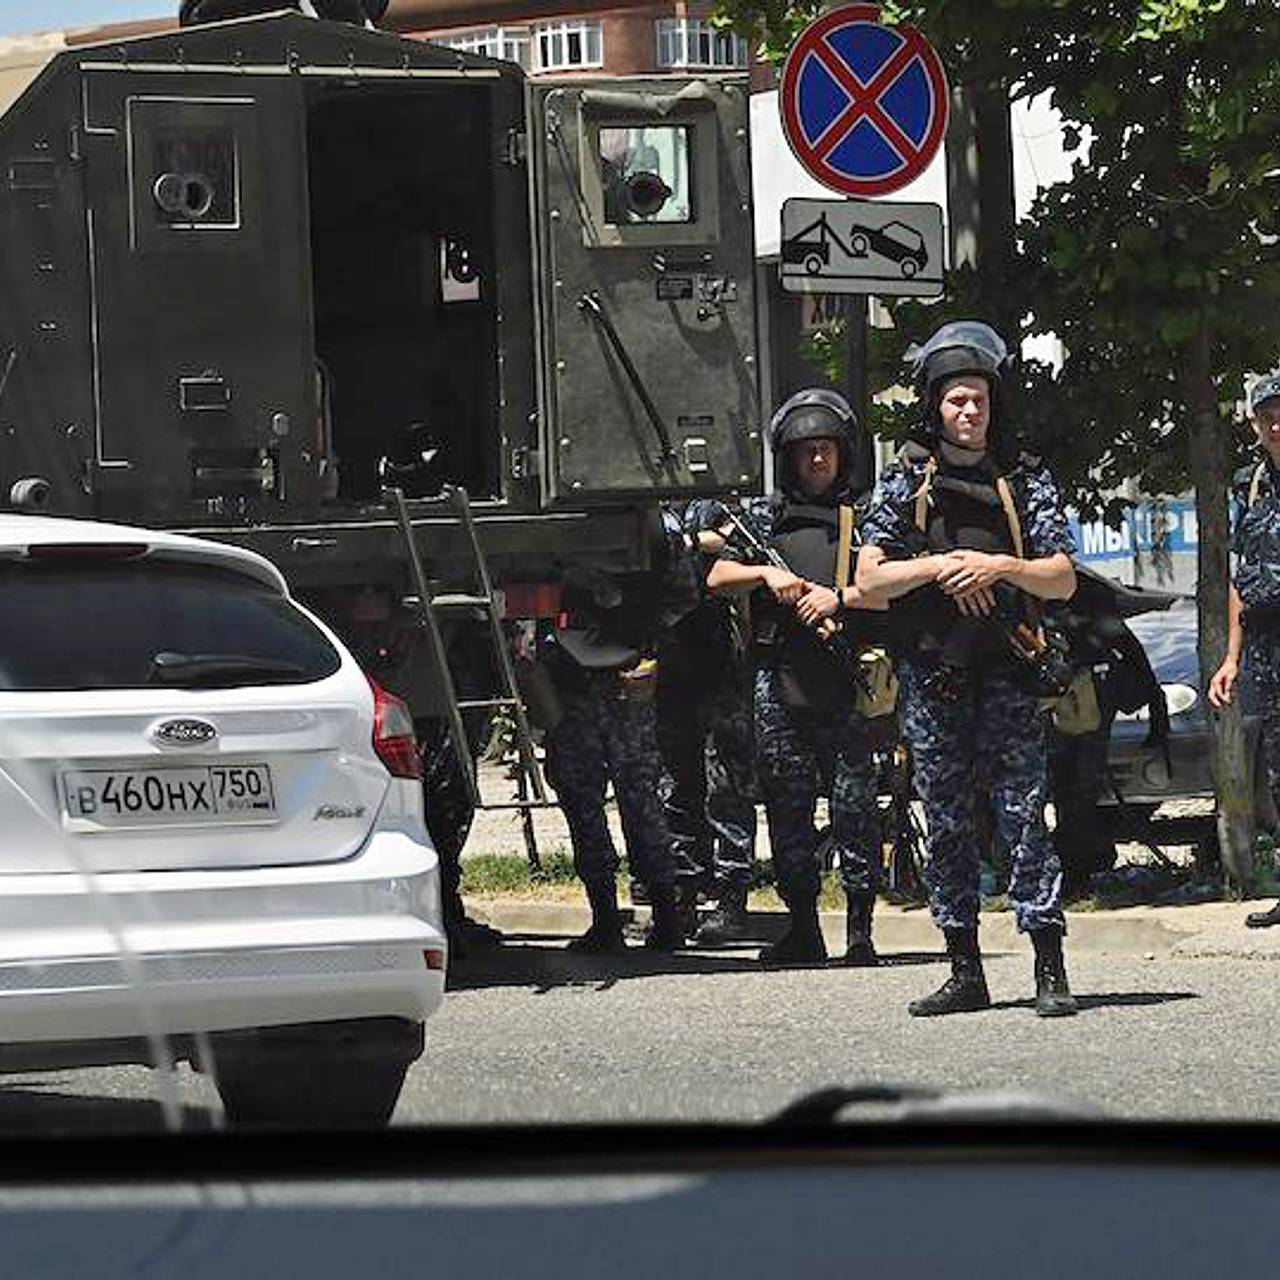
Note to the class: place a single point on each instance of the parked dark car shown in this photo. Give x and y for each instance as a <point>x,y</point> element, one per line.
<point>1142,777</point>
<point>1109,786</point>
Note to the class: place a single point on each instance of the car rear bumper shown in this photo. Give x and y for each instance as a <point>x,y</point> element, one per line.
<point>141,954</point>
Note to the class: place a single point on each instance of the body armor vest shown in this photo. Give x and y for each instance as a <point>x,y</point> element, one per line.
<point>806,536</point>
<point>965,512</point>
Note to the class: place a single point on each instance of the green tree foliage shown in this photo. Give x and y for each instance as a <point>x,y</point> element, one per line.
<point>1156,263</point>
<point>1168,223</point>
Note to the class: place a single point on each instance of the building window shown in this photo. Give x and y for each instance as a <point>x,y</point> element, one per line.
<point>693,42</point>
<point>569,44</point>
<point>509,43</point>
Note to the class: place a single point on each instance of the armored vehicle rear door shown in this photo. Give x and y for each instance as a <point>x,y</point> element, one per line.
<point>205,377</point>
<point>642,193</point>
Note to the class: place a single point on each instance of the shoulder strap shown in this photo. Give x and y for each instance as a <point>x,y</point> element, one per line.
<point>844,546</point>
<point>1010,514</point>
<point>1255,484</point>
<point>923,493</point>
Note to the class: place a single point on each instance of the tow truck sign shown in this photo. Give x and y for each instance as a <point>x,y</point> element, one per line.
<point>862,246</point>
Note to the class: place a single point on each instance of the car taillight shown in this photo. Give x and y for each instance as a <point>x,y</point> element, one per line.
<point>393,737</point>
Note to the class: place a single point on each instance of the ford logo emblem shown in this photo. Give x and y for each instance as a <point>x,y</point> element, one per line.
<point>184,733</point>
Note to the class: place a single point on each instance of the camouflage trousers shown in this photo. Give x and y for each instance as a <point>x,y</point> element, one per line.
<point>800,755</point>
<point>970,733</point>
<point>604,737</point>
<point>1262,670</point>
<point>708,783</point>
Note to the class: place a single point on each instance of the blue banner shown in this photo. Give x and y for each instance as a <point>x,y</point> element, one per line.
<point>1166,527</point>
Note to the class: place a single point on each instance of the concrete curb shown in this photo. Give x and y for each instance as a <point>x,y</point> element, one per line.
<point>1205,930</point>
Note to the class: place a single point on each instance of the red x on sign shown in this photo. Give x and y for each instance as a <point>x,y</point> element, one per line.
<point>864,106</point>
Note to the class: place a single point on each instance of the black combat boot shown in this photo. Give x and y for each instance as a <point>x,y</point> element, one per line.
<point>687,907</point>
<point>728,922</point>
<point>1263,919</point>
<point>966,990</point>
<point>666,932</point>
<point>1053,995</point>
<point>803,942</point>
<point>604,938</point>
<point>474,936</point>
<point>860,951</point>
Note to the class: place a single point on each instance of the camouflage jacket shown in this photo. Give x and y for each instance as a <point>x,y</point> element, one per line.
<point>1256,541</point>
<point>890,522</point>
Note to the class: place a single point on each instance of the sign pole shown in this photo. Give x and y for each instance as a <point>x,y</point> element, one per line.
<point>855,339</point>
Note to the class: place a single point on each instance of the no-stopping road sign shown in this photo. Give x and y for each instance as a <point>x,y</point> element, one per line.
<point>864,106</point>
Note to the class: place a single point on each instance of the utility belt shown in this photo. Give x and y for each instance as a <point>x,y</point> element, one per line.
<point>552,682</point>
<point>870,688</point>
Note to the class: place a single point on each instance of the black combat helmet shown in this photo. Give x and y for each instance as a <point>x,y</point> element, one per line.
<point>962,346</point>
<point>814,414</point>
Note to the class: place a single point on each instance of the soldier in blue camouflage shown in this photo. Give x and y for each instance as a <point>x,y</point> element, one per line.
<point>608,733</point>
<point>603,670</point>
<point>704,735</point>
<point>955,526</point>
<point>1254,620</point>
<point>810,741</point>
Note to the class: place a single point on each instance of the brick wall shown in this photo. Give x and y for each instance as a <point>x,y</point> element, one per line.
<point>630,42</point>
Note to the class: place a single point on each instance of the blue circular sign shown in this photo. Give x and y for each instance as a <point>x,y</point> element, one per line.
<point>864,106</point>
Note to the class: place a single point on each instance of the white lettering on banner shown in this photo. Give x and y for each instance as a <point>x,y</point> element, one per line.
<point>1098,539</point>
<point>1091,538</point>
<point>1191,527</point>
<point>1153,526</point>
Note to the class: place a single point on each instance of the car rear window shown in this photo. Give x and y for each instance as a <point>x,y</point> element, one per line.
<point>92,624</point>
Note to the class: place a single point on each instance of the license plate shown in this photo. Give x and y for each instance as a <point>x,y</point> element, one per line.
<point>215,794</point>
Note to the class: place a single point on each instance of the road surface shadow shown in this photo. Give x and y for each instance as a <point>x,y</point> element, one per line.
<point>30,1107</point>
<point>540,961</point>
<point>1109,1000</point>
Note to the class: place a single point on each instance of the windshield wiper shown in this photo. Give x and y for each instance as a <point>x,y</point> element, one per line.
<point>194,669</point>
<point>824,1107</point>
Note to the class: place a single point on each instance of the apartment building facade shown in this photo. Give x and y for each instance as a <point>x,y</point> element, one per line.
<point>550,38</point>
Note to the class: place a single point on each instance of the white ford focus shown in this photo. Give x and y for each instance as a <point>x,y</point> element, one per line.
<point>211,832</point>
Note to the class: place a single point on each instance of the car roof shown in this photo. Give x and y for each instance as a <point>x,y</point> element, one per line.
<point>20,532</point>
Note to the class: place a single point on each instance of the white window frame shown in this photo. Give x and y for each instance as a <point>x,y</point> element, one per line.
<point>694,42</point>
<point>514,44</point>
<point>568,45</point>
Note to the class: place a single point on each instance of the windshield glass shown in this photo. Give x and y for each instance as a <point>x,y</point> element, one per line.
<point>780,516</point>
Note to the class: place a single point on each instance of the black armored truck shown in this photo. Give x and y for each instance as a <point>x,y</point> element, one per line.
<point>424,331</point>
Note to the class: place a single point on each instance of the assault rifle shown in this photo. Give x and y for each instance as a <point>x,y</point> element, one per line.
<point>828,630</point>
<point>1045,653</point>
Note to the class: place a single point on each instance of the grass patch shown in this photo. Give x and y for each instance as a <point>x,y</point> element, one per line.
<point>496,875</point>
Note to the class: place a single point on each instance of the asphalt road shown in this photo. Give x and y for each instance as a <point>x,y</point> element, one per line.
<point>535,1034</point>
